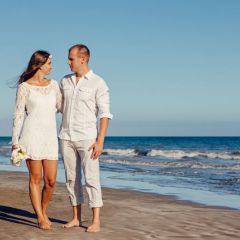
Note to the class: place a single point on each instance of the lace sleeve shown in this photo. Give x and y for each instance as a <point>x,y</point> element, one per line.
<point>19,113</point>
<point>58,98</point>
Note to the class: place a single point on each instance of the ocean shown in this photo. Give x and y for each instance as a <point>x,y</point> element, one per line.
<point>200,169</point>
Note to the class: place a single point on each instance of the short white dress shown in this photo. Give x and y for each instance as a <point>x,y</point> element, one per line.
<point>36,134</point>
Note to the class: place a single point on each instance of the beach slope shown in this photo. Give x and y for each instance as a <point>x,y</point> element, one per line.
<point>125,215</point>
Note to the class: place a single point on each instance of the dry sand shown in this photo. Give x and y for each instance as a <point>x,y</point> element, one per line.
<point>125,215</point>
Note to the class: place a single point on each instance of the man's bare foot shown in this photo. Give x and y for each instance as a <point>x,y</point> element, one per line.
<point>42,224</point>
<point>73,223</point>
<point>47,219</point>
<point>95,227</point>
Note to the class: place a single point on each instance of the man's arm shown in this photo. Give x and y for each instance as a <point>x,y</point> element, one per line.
<point>98,146</point>
<point>103,103</point>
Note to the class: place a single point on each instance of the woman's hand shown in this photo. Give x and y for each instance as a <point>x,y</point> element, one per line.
<point>14,147</point>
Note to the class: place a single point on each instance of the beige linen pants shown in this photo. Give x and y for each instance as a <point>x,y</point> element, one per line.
<point>76,155</point>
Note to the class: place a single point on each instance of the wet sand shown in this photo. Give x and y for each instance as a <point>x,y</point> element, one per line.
<point>125,215</point>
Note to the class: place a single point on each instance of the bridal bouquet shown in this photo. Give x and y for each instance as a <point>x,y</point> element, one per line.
<point>17,156</point>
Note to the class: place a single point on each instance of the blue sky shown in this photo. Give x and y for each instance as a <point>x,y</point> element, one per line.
<point>172,66</point>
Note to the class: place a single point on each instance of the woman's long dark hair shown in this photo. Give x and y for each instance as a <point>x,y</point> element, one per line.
<point>38,59</point>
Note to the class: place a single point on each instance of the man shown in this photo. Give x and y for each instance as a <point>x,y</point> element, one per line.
<point>85,95</point>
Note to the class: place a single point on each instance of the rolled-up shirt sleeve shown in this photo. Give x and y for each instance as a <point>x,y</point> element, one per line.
<point>103,101</point>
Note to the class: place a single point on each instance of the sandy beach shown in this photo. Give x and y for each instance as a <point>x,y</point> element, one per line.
<point>125,215</point>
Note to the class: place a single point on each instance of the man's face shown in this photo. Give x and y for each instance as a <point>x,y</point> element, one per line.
<point>75,60</point>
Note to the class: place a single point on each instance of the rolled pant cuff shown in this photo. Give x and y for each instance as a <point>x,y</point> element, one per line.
<point>74,203</point>
<point>95,205</point>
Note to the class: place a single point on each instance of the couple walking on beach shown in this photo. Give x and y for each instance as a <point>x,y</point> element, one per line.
<point>81,97</point>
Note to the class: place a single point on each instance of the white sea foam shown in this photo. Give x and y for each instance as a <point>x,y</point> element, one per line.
<point>121,152</point>
<point>175,154</point>
<point>179,154</point>
<point>172,164</point>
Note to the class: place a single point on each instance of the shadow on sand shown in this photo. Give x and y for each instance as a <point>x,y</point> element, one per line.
<point>20,216</point>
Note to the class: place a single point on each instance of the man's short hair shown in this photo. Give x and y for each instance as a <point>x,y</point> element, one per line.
<point>82,49</point>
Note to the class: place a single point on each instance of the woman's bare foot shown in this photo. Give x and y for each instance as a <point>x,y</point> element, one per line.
<point>42,224</point>
<point>95,227</point>
<point>73,223</point>
<point>47,219</point>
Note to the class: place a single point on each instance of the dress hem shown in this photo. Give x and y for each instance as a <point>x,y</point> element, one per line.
<point>32,157</point>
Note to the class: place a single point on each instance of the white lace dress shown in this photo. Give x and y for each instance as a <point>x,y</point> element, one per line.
<point>36,134</point>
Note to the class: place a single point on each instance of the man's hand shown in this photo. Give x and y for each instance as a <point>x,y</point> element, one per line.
<point>97,149</point>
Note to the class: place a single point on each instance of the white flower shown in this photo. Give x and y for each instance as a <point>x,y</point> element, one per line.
<point>17,156</point>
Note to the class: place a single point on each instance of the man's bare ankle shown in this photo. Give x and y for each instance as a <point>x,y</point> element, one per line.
<point>75,219</point>
<point>96,222</point>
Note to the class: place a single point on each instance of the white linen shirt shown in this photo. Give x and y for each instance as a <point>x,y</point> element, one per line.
<point>82,103</point>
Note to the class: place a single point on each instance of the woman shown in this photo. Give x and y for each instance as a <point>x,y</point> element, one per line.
<point>40,99</point>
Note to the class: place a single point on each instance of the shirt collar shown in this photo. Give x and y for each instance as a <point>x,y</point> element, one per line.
<point>88,74</point>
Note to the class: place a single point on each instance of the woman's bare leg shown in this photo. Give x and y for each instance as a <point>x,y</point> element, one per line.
<point>35,176</point>
<point>49,176</point>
